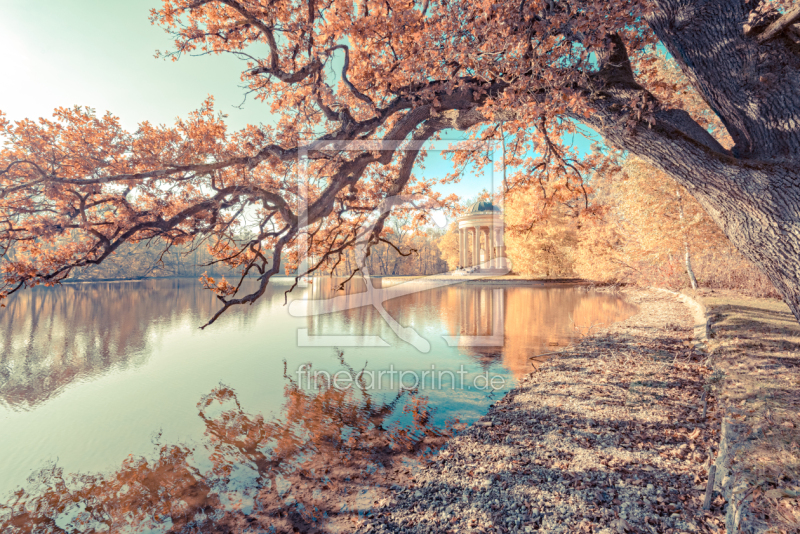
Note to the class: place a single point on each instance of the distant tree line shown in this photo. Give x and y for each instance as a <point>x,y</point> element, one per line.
<point>407,251</point>
<point>140,260</point>
<point>637,226</point>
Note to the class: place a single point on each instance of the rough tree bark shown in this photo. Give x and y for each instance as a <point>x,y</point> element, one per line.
<point>752,191</point>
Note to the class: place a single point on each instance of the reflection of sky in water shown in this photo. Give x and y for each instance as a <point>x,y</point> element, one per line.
<point>90,373</point>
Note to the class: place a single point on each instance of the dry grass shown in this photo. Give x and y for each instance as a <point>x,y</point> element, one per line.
<point>756,345</point>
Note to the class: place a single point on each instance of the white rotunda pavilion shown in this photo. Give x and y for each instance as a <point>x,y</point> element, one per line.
<point>480,237</point>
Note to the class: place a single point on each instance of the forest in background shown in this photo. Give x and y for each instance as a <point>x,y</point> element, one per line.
<point>638,227</point>
<point>413,251</point>
<point>139,260</point>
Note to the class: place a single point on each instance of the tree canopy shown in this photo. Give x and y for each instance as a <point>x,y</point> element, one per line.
<point>721,115</point>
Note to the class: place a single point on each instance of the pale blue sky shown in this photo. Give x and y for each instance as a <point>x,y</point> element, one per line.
<point>99,53</point>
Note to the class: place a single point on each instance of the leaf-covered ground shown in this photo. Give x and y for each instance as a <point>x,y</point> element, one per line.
<point>755,349</point>
<point>608,436</point>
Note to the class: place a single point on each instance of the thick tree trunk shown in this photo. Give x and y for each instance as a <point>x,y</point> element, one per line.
<point>753,191</point>
<point>753,87</point>
<point>756,204</point>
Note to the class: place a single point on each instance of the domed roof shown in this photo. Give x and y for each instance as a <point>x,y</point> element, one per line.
<point>481,206</point>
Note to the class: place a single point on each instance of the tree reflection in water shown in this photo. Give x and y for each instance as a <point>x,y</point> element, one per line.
<point>307,466</point>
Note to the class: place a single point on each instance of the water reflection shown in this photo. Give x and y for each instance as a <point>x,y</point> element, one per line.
<point>511,324</point>
<point>89,372</point>
<point>51,337</point>
<point>287,474</point>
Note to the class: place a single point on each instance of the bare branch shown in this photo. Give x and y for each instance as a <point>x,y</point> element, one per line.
<point>787,19</point>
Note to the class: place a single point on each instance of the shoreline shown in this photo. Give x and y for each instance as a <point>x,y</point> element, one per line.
<point>606,436</point>
<point>611,434</point>
<point>468,279</point>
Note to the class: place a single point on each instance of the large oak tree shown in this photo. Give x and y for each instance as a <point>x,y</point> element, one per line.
<point>77,188</point>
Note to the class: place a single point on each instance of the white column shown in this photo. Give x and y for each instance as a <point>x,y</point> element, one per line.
<point>488,255</point>
<point>466,247</point>
<point>467,253</point>
<point>490,245</point>
<point>479,232</point>
<point>499,244</point>
<point>480,243</point>
<point>460,247</point>
<point>465,259</point>
<point>476,250</point>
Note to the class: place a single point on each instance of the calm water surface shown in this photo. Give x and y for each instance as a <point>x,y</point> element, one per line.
<point>92,374</point>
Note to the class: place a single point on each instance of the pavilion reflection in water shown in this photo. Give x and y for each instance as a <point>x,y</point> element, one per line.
<point>59,338</point>
<point>516,324</point>
<point>51,338</point>
<point>490,323</point>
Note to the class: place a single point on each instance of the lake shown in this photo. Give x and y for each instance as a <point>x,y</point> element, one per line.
<point>92,374</point>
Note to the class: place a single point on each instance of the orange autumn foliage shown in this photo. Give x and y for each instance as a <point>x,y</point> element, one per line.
<point>76,187</point>
<point>337,77</point>
<point>539,243</point>
<point>643,228</point>
<point>448,247</point>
